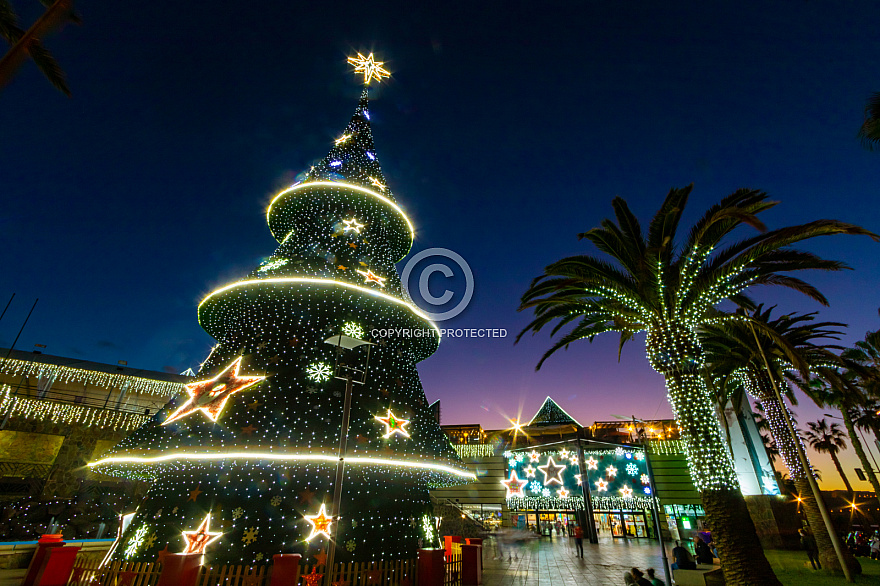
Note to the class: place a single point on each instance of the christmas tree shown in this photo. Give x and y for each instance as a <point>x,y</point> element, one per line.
<point>244,465</point>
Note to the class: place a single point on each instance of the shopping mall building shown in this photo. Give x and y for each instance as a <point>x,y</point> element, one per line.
<point>542,473</point>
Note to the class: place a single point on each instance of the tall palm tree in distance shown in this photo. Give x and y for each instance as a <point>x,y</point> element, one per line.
<point>736,347</point>
<point>650,282</point>
<point>870,130</point>
<point>828,439</point>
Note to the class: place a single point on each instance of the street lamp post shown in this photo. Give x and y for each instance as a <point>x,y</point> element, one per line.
<point>343,343</point>
<point>655,505</point>
<point>814,487</point>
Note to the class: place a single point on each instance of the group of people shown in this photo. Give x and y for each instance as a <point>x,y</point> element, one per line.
<point>860,543</point>
<point>636,577</point>
<point>704,553</point>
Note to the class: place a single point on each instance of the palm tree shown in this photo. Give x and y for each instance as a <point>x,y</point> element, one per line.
<point>27,43</point>
<point>828,439</point>
<point>654,285</point>
<point>870,130</point>
<point>735,348</point>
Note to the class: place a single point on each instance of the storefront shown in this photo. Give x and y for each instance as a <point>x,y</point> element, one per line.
<point>629,524</point>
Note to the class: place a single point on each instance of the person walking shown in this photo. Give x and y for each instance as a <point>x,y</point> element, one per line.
<point>654,580</point>
<point>809,546</point>
<point>875,545</point>
<point>682,559</point>
<point>704,554</point>
<point>579,540</point>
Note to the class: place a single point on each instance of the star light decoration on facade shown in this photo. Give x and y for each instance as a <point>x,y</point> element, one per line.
<point>393,425</point>
<point>592,464</point>
<point>552,472</point>
<point>564,454</point>
<point>601,485</point>
<point>626,492</point>
<point>352,225</point>
<point>530,472</point>
<point>320,523</point>
<point>210,396</point>
<point>611,471</point>
<point>514,485</point>
<point>371,68</point>
<point>578,477</point>
<point>562,493</point>
<point>198,540</point>
<point>534,456</point>
<point>371,277</point>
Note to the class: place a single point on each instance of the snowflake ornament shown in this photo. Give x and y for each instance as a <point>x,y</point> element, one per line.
<point>259,556</point>
<point>276,500</point>
<point>353,330</point>
<point>236,513</point>
<point>640,456</point>
<point>632,469</point>
<point>519,457</point>
<point>535,486</point>
<point>545,493</point>
<point>618,452</point>
<point>350,545</point>
<point>645,480</point>
<point>319,371</point>
<point>250,535</point>
<point>354,524</point>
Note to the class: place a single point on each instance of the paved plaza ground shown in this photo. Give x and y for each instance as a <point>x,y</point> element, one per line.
<point>544,562</point>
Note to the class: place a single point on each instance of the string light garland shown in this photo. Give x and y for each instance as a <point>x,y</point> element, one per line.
<point>69,374</point>
<point>67,413</point>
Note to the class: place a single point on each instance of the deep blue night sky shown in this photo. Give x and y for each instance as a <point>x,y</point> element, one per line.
<point>506,129</point>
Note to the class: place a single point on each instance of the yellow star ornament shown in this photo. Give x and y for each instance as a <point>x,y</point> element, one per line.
<point>371,68</point>
<point>320,523</point>
<point>210,396</point>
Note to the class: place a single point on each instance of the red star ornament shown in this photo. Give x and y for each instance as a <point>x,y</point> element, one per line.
<point>393,425</point>
<point>320,523</point>
<point>162,553</point>
<point>198,540</point>
<point>210,396</point>
<point>321,558</point>
<point>312,579</point>
<point>514,485</point>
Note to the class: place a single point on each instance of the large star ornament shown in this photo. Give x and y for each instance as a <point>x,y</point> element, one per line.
<point>514,485</point>
<point>198,540</point>
<point>552,472</point>
<point>371,68</point>
<point>210,396</point>
<point>320,523</point>
<point>393,425</point>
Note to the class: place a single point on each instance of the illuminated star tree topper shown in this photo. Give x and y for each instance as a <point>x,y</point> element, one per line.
<point>371,68</point>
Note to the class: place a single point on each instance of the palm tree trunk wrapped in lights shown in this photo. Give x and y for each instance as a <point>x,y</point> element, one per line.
<point>667,289</point>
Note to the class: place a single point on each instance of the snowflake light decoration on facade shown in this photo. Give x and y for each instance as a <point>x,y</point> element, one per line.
<point>640,456</point>
<point>647,490</point>
<point>519,457</point>
<point>618,452</point>
<point>353,330</point>
<point>250,535</point>
<point>632,469</point>
<point>645,480</point>
<point>318,372</point>
<point>545,493</point>
<point>535,486</point>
